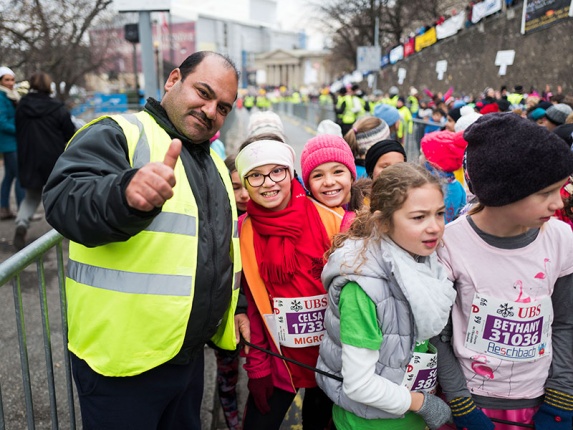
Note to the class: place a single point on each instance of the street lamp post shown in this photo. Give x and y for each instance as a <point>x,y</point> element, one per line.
<point>376,40</point>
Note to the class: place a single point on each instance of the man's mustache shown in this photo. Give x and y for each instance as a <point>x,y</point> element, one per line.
<point>201,116</point>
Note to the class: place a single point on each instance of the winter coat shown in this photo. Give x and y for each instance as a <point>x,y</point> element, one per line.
<point>7,125</point>
<point>43,127</point>
<point>394,315</point>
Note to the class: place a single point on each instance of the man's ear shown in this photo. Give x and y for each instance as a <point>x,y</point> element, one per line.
<point>174,77</point>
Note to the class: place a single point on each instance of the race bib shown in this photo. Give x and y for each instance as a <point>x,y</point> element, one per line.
<point>509,330</point>
<point>300,320</point>
<point>422,373</point>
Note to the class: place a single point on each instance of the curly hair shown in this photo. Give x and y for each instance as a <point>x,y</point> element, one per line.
<point>389,192</point>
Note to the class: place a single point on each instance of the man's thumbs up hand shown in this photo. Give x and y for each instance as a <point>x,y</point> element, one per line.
<point>153,184</point>
<point>172,154</point>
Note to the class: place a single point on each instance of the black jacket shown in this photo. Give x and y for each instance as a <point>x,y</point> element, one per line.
<point>85,201</point>
<point>43,127</point>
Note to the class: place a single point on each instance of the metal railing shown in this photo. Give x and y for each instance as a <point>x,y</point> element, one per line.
<point>58,378</point>
<point>312,113</point>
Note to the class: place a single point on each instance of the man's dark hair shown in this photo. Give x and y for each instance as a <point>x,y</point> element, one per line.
<point>192,61</point>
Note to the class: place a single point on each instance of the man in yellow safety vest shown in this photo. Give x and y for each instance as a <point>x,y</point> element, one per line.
<point>153,260</point>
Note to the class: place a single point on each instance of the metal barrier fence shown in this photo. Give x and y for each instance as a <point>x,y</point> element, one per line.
<point>311,114</point>
<point>48,255</point>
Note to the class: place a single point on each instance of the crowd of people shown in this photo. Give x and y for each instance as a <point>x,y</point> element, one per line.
<point>399,294</point>
<point>34,129</point>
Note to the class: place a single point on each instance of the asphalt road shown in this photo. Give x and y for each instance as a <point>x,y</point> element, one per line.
<point>12,398</point>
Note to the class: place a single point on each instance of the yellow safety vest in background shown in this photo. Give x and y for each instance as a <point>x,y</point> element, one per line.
<point>347,117</point>
<point>129,302</point>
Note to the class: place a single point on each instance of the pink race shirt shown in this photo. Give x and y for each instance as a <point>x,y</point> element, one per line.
<point>502,315</point>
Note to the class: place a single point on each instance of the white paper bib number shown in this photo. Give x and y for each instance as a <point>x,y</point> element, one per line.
<point>508,330</point>
<point>300,320</point>
<point>421,373</point>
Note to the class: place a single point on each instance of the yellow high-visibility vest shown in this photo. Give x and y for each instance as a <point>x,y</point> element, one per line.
<point>129,302</point>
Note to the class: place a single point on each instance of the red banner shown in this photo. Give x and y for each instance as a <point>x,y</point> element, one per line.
<point>409,47</point>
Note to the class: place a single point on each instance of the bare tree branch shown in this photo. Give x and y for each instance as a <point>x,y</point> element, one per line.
<point>350,24</point>
<point>52,36</point>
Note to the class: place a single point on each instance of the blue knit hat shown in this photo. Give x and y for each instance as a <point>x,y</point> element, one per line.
<point>536,114</point>
<point>389,114</point>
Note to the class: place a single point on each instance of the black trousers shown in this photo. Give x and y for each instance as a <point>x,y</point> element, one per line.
<point>167,397</point>
<point>316,410</point>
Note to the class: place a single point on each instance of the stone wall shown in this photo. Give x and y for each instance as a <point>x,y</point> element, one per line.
<point>541,57</point>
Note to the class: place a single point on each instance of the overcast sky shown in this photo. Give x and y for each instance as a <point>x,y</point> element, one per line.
<point>296,15</point>
<point>293,15</point>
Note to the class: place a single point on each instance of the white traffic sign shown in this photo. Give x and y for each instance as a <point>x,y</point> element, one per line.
<point>368,58</point>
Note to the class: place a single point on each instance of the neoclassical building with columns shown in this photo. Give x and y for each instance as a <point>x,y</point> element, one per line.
<point>294,68</point>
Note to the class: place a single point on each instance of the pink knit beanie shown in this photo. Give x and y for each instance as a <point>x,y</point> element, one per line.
<point>325,148</point>
<point>444,149</point>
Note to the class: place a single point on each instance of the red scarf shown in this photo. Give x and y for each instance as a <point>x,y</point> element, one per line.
<point>279,235</point>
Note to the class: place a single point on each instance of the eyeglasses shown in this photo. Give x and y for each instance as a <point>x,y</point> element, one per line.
<point>276,175</point>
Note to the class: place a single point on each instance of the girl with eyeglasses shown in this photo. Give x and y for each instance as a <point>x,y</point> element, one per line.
<point>284,236</point>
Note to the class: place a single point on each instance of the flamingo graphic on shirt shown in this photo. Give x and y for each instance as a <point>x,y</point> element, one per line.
<point>523,297</point>
<point>542,275</point>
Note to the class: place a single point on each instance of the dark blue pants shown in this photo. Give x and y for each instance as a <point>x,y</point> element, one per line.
<point>167,397</point>
<point>10,175</point>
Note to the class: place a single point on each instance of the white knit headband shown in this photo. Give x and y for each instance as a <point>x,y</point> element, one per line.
<point>264,152</point>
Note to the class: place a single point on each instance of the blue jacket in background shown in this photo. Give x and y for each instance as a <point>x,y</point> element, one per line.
<point>7,124</point>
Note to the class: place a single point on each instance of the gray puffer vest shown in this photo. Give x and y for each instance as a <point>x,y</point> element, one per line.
<point>375,277</point>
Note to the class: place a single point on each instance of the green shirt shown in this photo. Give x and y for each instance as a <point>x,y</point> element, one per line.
<point>359,328</point>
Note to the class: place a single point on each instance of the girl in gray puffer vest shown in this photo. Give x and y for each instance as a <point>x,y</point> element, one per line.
<point>387,296</point>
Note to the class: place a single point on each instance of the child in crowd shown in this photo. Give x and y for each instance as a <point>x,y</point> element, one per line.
<point>391,116</point>
<point>364,133</point>
<point>382,155</point>
<point>468,116</point>
<point>218,146</point>
<point>565,214</point>
<point>437,122</point>
<point>453,115</point>
<point>284,236</point>
<point>360,187</point>
<point>328,173</point>
<point>509,348</point>
<point>228,361</point>
<point>327,126</point>
<point>264,122</point>
<point>387,295</point>
<point>442,154</point>
<point>241,194</point>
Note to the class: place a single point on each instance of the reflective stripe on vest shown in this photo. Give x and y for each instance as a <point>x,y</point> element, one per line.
<point>125,322</point>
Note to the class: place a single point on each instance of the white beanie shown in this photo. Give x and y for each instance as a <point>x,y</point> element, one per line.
<point>328,126</point>
<point>6,71</point>
<point>262,122</point>
<point>467,117</point>
<point>264,152</point>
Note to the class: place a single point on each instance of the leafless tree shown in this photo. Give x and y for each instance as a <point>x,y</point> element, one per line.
<point>350,24</point>
<point>52,36</point>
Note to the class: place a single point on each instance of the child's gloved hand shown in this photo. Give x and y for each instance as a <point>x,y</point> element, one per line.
<point>556,412</point>
<point>261,389</point>
<point>434,411</point>
<point>467,416</point>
